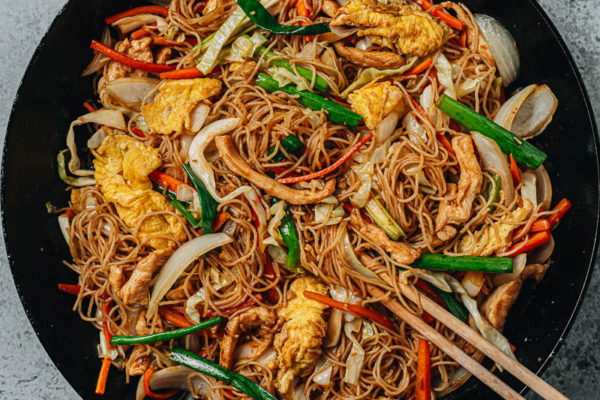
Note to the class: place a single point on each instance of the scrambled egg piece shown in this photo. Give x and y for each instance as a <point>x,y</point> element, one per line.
<point>411,31</point>
<point>171,108</point>
<point>299,342</point>
<point>376,101</point>
<point>489,241</point>
<point>122,168</point>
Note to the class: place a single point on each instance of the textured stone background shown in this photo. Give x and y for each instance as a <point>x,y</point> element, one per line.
<point>26,371</point>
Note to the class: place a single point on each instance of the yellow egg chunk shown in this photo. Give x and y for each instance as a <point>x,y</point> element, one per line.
<point>170,110</point>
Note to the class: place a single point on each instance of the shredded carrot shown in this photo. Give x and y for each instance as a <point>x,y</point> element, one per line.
<point>137,11</point>
<point>514,170</point>
<point>349,208</point>
<point>163,41</point>
<point>420,68</point>
<point>529,244</point>
<point>150,393</point>
<point>463,39</point>
<point>70,214</point>
<point>130,62</point>
<point>419,108</point>
<point>71,289</point>
<point>537,226</point>
<point>423,386</point>
<point>445,142</point>
<point>303,12</point>
<point>441,14</point>
<point>89,107</point>
<point>174,317</point>
<point>351,308</point>
<point>185,73</point>
<point>140,33</point>
<point>166,180</point>
<point>426,288</point>
<point>332,167</point>
<point>107,334</point>
<point>103,377</point>
<point>219,221</point>
<point>562,207</point>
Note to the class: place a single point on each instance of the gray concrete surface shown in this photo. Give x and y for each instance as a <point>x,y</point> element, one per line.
<point>26,371</point>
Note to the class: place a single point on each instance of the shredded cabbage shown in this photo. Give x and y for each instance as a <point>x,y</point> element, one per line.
<point>327,205</point>
<point>323,371</point>
<point>351,258</point>
<point>444,73</point>
<point>370,74</point>
<point>488,331</point>
<point>365,175</point>
<point>218,283</point>
<point>285,77</point>
<point>356,358</point>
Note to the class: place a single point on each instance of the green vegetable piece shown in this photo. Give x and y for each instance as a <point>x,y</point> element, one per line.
<point>454,306</point>
<point>523,152</point>
<point>383,219</point>
<point>441,262</point>
<point>170,194</point>
<point>493,193</point>
<point>334,112</point>
<point>159,337</point>
<point>262,18</point>
<point>320,84</point>
<point>292,145</point>
<point>186,213</point>
<point>290,237</point>
<point>207,367</point>
<point>208,205</point>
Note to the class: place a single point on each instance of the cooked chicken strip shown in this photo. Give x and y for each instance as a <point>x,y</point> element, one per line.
<point>375,59</point>
<point>179,292</point>
<point>257,317</point>
<point>239,166</point>
<point>400,252</point>
<point>458,209</point>
<point>135,291</point>
<point>299,343</point>
<point>330,7</point>
<point>498,304</point>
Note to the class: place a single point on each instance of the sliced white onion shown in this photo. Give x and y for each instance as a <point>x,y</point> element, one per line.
<point>97,138</point>
<point>542,253</point>
<point>261,213</point>
<point>140,392</point>
<point>323,371</point>
<point>334,329</point>
<point>337,33</point>
<point>529,188</point>
<point>535,114</point>
<point>414,128</point>
<point>179,261</point>
<point>99,59</point>
<point>64,225</point>
<point>198,116</point>
<point>104,351</point>
<point>198,162</point>
<point>129,24</point>
<point>186,141</point>
<point>356,358</point>
<point>528,112</point>
<point>519,263</point>
<point>386,127</point>
<point>111,118</point>
<point>493,158</point>
<point>543,187</point>
<point>364,43</point>
<point>473,282</point>
<point>131,91</point>
<point>351,259</point>
<point>502,45</point>
<point>365,173</point>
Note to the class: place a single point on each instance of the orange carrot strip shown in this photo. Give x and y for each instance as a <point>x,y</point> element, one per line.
<point>463,39</point>
<point>420,68</point>
<point>185,73</point>
<point>130,62</point>
<point>563,206</point>
<point>423,387</point>
<point>514,170</point>
<point>89,107</point>
<point>71,289</point>
<point>103,377</point>
<point>219,221</point>
<point>529,244</point>
<point>441,14</point>
<point>332,167</point>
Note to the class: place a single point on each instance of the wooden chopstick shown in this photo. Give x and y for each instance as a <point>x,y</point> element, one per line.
<point>536,383</point>
<point>517,369</point>
<point>491,380</point>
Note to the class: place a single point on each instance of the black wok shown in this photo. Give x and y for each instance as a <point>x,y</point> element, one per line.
<point>52,94</point>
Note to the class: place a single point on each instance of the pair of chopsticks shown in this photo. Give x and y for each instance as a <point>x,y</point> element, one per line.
<point>474,338</point>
